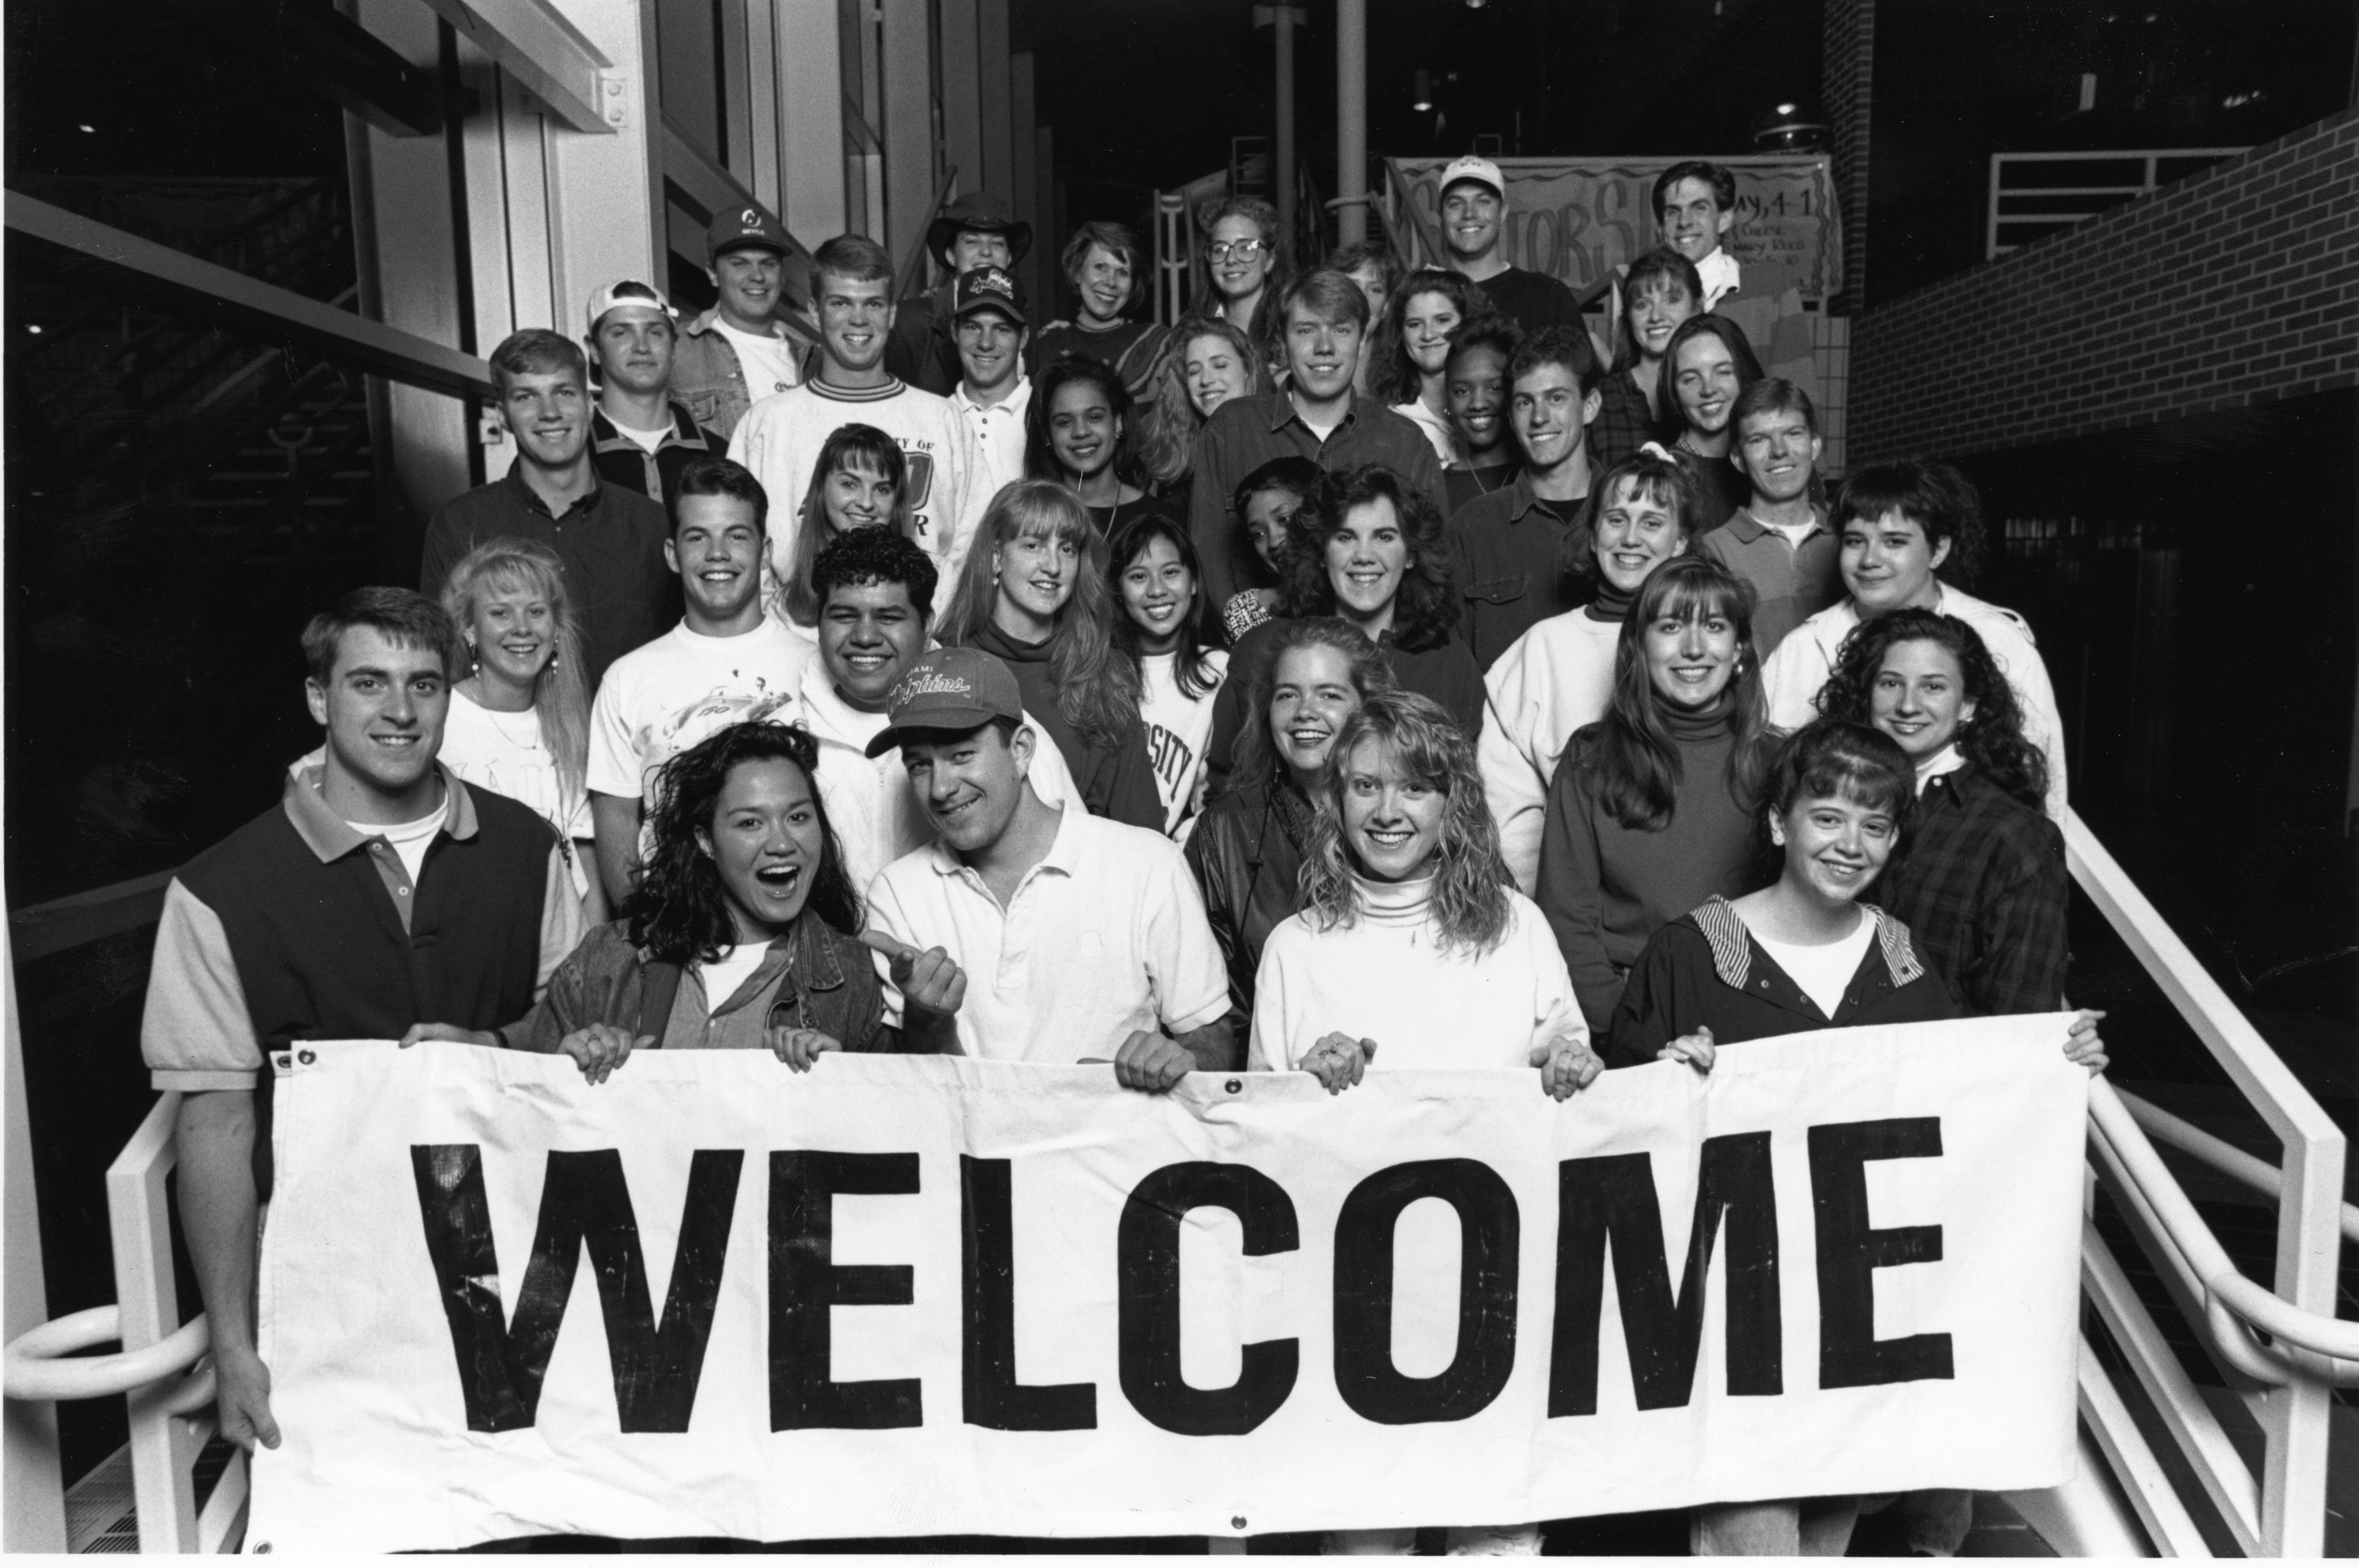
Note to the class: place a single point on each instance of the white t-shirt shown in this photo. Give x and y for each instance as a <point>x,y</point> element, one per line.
<point>1824,971</point>
<point>767,365</point>
<point>724,974</point>
<point>409,839</point>
<point>1176,727</point>
<point>1556,677</point>
<point>503,752</point>
<point>658,700</point>
<point>1382,977</point>
<point>1106,934</point>
<point>647,439</point>
<point>1793,533</point>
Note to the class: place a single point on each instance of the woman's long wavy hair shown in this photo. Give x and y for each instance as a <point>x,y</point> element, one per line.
<point>1650,271</point>
<point>1268,322</point>
<point>1425,611</point>
<point>1257,758</point>
<point>560,696</point>
<point>1040,460</point>
<point>680,913</point>
<point>1192,668</point>
<point>1168,420</point>
<point>1470,876</point>
<point>862,449</point>
<point>1396,378</point>
<point>1628,761</point>
<point>1992,739</point>
<point>1667,483</point>
<point>1666,410</point>
<point>1097,683</point>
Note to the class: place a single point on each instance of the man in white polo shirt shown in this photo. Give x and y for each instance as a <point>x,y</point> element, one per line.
<point>987,320</point>
<point>1026,933</point>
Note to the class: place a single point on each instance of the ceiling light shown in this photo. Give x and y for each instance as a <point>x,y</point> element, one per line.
<point>1421,92</point>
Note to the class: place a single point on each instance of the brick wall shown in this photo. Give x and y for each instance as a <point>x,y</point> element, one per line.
<point>1847,57</point>
<point>2236,287</point>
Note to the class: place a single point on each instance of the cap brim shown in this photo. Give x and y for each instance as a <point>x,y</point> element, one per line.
<point>949,721</point>
<point>749,243</point>
<point>995,308</point>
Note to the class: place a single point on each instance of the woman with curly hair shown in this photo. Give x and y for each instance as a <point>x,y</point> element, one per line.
<point>741,933</point>
<point>1651,811</point>
<point>1410,345</point>
<point>1077,432</point>
<point>1980,880</point>
<point>1246,268</point>
<point>1034,593</point>
<point>861,480</point>
<point>1205,362</point>
<point>1375,269</point>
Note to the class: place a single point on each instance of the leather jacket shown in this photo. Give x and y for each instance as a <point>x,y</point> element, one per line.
<point>1246,852</point>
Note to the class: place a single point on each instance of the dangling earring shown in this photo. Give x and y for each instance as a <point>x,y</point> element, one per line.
<point>474,657</point>
<point>552,660</point>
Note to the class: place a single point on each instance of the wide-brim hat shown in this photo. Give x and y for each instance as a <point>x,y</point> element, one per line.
<point>985,214</point>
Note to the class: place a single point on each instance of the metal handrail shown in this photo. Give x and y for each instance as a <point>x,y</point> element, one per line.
<point>40,1363</point>
<point>2218,1153</point>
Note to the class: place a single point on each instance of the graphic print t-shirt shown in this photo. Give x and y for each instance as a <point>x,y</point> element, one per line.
<point>657,701</point>
<point>1176,727</point>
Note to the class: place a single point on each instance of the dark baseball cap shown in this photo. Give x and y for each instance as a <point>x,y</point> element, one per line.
<point>953,689</point>
<point>988,289</point>
<point>742,228</point>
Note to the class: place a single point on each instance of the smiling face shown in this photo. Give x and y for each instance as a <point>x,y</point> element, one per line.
<point>717,550</point>
<point>869,633</point>
<point>1368,556</point>
<point>1426,321</point>
<point>856,495</point>
<point>1550,414</point>
<point>1083,429</point>
<point>1920,697</point>
<point>1239,256</point>
<point>1635,534</point>
<point>1213,373</point>
<point>1158,592</point>
<point>765,840</point>
<point>1834,846</point>
<point>980,247</point>
<point>1103,283</point>
<point>1392,823</point>
<point>1322,353</point>
<point>1311,695</point>
<point>548,412</point>
<point>513,631</point>
<point>970,784</point>
<point>1704,379</point>
<point>1888,564</point>
<point>750,281</point>
<point>1693,219</point>
<point>855,315</point>
<point>1266,512</point>
<point>1470,219</point>
<point>635,349</point>
<point>990,349</point>
<point>1477,393</point>
<point>1656,311</point>
<point>1036,573</point>
<point>1691,659</point>
<point>1778,452</point>
<point>383,707</point>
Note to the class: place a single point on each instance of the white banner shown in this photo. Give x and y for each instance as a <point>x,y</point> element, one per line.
<point>926,1295</point>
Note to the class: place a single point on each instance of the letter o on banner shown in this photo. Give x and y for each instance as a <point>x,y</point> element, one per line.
<point>1489,1235</point>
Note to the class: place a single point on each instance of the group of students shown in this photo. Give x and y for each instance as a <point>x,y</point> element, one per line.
<point>1365,674</point>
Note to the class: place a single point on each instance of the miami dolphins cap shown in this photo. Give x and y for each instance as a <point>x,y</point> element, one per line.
<point>953,689</point>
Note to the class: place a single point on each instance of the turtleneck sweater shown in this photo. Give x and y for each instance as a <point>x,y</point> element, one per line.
<point>1116,782</point>
<point>1386,976</point>
<point>1606,888</point>
<point>1553,679</point>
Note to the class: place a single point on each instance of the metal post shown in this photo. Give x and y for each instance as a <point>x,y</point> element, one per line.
<point>1351,121</point>
<point>1282,18</point>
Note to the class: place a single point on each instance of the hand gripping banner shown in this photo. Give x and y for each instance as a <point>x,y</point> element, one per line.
<point>926,1295</point>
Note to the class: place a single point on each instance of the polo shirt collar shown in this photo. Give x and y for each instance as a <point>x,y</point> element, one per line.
<point>531,500</point>
<point>1065,851</point>
<point>1013,402</point>
<point>330,837</point>
<point>1748,528</point>
<point>1732,945</point>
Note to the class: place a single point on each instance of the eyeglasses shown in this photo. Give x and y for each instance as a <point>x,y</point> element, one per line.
<point>1244,250</point>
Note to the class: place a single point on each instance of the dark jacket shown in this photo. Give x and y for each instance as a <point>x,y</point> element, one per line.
<point>622,461</point>
<point>1511,552</point>
<point>1116,782</point>
<point>1982,884</point>
<point>831,985</point>
<point>921,351</point>
<point>1246,852</point>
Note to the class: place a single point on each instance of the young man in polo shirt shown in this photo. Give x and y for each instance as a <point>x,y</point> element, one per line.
<point>780,438</point>
<point>640,438</point>
<point>748,346</point>
<point>1030,934</point>
<point>974,231</point>
<point>1515,547</point>
<point>1778,541</point>
<point>378,894</point>
<point>875,596</point>
<point>611,539</point>
<point>1318,415</point>
<point>987,314</point>
<point>727,662</point>
<point>1473,230</point>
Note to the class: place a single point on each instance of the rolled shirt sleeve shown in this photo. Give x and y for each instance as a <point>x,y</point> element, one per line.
<point>195,1032</point>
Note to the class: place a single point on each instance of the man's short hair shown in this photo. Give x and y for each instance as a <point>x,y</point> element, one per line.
<point>854,259</point>
<point>1566,346</point>
<point>1491,330</point>
<point>1773,394</point>
<point>1327,295</point>
<point>1723,183</point>
<point>1934,496</point>
<point>875,556</point>
<point>537,350</point>
<point>403,615</point>
<point>718,476</point>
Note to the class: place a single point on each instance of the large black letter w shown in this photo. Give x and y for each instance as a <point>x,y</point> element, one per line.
<point>584,1199</point>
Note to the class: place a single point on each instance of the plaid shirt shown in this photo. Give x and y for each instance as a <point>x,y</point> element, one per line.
<point>1624,423</point>
<point>1982,888</point>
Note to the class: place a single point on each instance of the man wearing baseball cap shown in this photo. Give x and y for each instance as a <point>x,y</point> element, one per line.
<point>1474,232</point>
<point>640,438</point>
<point>749,345</point>
<point>974,231</point>
<point>988,322</point>
<point>1025,932</point>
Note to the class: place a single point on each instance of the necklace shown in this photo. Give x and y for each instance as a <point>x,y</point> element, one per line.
<point>1484,489</point>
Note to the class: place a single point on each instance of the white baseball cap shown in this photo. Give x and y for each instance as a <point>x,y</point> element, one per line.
<point>627,294</point>
<point>1480,170</point>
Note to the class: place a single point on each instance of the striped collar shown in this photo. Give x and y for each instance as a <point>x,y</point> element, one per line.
<point>1732,945</point>
<point>894,387</point>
